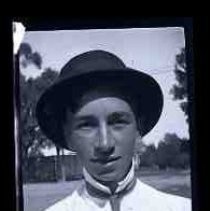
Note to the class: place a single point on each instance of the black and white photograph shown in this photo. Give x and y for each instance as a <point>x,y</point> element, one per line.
<point>104,120</point>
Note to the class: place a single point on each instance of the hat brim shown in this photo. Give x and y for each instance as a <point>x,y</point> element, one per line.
<point>51,104</point>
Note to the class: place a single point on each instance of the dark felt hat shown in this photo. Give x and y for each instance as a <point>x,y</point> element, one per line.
<point>88,71</point>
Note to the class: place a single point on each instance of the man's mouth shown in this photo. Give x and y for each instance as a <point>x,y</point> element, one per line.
<point>105,160</point>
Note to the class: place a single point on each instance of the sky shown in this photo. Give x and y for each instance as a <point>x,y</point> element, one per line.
<point>151,50</point>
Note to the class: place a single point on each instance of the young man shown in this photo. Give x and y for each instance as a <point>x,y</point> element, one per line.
<point>100,108</point>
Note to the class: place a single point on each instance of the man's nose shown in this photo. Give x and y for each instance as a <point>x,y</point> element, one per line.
<point>105,140</point>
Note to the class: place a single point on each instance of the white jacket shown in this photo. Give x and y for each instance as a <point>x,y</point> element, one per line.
<point>141,198</point>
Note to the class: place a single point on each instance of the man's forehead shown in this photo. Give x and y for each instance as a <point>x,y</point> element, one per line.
<point>104,105</point>
<point>107,104</point>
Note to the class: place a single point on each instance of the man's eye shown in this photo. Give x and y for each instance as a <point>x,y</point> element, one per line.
<point>85,126</point>
<point>119,123</point>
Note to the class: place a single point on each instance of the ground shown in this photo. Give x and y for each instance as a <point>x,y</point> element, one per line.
<point>38,197</point>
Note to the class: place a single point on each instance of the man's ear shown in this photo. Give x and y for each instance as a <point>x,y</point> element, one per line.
<point>138,138</point>
<point>139,145</point>
<point>138,134</point>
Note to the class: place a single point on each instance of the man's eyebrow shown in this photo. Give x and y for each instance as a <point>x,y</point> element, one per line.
<point>121,114</point>
<point>114,114</point>
<point>84,117</point>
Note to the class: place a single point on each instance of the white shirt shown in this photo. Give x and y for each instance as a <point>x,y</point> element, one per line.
<point>141,198</point>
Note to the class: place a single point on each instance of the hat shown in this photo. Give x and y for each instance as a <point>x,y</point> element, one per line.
<point>88,71</point>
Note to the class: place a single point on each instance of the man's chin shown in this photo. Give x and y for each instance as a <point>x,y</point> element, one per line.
<point>108,177</point>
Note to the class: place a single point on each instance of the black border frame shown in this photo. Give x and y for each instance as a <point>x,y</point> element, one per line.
<point>195,56</point>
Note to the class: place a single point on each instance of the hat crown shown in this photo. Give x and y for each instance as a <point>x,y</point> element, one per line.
<point>91,61</point>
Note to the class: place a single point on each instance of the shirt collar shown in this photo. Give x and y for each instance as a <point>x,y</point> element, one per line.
<point>121,185</point>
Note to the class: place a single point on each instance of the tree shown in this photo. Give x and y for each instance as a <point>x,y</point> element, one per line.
<point>32,139</point>
<point>27,56</point>
<point>185,146</point>
<point>167,150</point>
<point>173,152</point>
<point>148,158</point>
<point>179,90</point>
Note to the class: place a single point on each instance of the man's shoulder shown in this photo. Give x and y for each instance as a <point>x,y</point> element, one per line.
<point>67,203</point>
<point>159,198</point>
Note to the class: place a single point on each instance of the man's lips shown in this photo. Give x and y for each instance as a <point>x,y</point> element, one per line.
<point>106,159</point>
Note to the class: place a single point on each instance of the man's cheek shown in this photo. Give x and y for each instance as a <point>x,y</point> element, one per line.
<point>85,152</point>
<point>128,150</point>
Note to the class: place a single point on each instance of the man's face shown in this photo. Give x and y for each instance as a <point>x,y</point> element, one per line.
<point>103,132</point>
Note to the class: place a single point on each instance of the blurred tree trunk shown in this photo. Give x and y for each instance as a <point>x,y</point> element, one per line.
<point>60,165</point>
<point>57,164</point>
<point>63,170</point>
